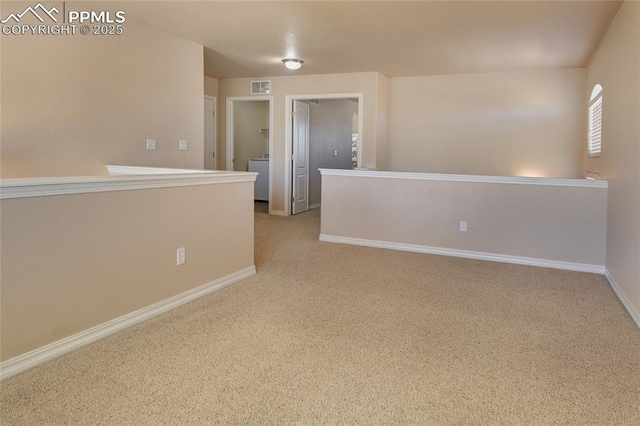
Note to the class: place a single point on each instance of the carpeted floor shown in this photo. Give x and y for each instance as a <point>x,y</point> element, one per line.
<point>337,334</point>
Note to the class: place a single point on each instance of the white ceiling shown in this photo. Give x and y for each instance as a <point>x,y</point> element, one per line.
<point>396,38</point>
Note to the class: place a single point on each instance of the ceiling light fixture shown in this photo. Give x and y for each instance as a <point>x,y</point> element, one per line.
<point>293,64</point>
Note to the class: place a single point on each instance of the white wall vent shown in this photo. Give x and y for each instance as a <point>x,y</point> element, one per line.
<point>261,87</point>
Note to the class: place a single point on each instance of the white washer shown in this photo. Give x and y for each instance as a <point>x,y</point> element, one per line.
<point>261,166</point>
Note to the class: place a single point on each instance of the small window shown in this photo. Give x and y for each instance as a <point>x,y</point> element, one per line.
<point>594,146</point>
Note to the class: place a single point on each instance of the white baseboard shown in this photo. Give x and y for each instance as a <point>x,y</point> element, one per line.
<point>314,206</point>
<point>623,298</point>
<point>41,355</point>
<point>520,260</point>
<point>278,212</point>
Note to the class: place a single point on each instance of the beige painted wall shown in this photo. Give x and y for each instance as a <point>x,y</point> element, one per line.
<point>545,222</point>
<point>365,83</point>
<point>72,104</point>
<point>66,268</point>
<point>616,66</point>
<point>211,86</point>
<point>382,140</point>
<point>330,129</point>
<point>249,142</point>
<point>528,123</point>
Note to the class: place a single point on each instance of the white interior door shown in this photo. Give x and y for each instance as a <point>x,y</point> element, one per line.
<point>209,133</point>
<point>300,161</point>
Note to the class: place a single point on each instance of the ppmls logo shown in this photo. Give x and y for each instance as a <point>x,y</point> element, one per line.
<point>34,11</point>
<point>102,22</point>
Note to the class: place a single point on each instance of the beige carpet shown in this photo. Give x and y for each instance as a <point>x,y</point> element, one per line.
<point>336,334</point>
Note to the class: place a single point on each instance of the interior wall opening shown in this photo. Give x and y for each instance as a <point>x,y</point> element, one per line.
<point>325,134</point>
<point>249,143</point>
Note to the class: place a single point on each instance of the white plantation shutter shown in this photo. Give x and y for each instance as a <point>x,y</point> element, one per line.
<point>595,122</point>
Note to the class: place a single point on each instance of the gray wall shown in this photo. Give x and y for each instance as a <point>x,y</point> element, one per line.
<point>330,128</point>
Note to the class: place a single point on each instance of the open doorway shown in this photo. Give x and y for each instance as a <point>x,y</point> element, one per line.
<point>324,133</point>
<point>249,120</point>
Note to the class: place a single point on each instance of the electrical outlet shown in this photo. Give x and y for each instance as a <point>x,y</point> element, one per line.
<point>151,144</point>
<point>181,256</point>
<point>335,152</point>
<point>463,226</point>
<point>184,145</point>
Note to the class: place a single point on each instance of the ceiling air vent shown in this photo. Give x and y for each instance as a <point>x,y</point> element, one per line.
<point>261,87</point>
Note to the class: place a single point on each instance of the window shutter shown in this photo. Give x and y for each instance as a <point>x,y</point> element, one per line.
<point>595,126</point>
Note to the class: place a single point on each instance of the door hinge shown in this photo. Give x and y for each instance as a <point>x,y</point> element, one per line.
<point>214,155</point>
<point>213,113</point>
<point>293,113</point>
<point>293,199</point>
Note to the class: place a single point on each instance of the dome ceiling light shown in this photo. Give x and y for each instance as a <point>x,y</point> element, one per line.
<point>292,63</point>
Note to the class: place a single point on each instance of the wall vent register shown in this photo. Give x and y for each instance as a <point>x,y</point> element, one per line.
<point>261,87</point>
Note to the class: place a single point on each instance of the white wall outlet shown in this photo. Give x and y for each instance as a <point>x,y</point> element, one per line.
<point>184,145</point>
<point>181,256</point>
<point>463,226</point>
<point>151,144</point>
<point>335,152</point>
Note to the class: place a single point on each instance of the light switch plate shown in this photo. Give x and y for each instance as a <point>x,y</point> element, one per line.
<point>181,256</point>
<point>184,145</point>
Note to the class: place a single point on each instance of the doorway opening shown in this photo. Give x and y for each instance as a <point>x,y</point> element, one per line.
<point>249,145</point>
<point>324,131</point>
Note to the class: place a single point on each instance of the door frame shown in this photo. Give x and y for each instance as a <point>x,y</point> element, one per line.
<point>215,131</point>
<point>229,135</point>
<point>288,137</point>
